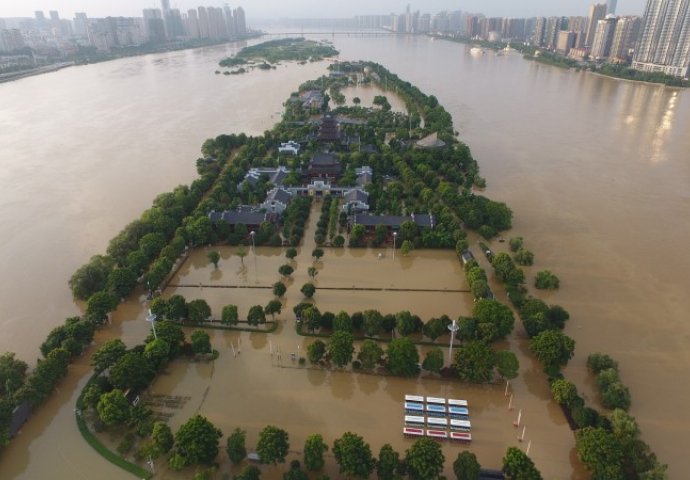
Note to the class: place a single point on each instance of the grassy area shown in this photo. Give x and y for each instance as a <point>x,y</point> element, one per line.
<point>92,440</point>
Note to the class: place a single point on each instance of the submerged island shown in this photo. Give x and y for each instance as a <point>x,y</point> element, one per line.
<point>266,54</point>
<point>352,229</point>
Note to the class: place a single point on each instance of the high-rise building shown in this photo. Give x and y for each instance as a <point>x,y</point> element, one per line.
<point>664,44</point>
<point>596,12</point>
<point>240,21</point>
<point>81,24</point>
<point>11,40</point>
<point>203,22</point>
<point>566,41</point>
<point>192,25</point>
<point>154,25</point>
<point>539,32</point>
<point>611,7</point>
<point>603,38</point>
<point>553,26</point>
<point>627,31</point>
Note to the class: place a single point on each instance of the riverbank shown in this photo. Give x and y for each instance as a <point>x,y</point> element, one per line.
<point>620,72</point>
<point>9,77</point>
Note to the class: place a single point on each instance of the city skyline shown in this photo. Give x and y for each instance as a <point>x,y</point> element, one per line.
<point>267,9</point>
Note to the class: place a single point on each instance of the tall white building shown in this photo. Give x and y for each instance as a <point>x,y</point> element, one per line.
<point>596,12</point>
<point>664,44</point>
<point>603,38</point>
<point>611,7</point>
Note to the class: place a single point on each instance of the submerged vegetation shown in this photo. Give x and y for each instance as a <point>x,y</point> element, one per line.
<point>275,51</point>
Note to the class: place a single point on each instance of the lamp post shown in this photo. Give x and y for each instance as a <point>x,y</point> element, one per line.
<point>453,327</point>
<point>151,317</point>
<point>395,236</point>
<point>251,234</point>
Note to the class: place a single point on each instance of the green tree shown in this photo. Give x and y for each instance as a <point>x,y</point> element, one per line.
<point>545,280</point>
<point>340,348</point>
<point>250,472</point>
<point>506,271</point>
<point>342,322</point>
<point>162,438</point>
<point>172,333</point>
<point>357,236</point>
<point>12,373</point>
<point>201,342</point>
<point>600,452</point>
<point>286,270</point>
<point>404,323</point>
<point>272,308</point>
<point>273,445</point>
<point>308,290</point>
<point>516,244</point>
<point>295,472</point>
<point>256,316</point>
<point>353,455</point>
<point>552,348</point>
<point>291,253</point>
<point>91,277</point>
<point>370,354</point>
<point>524,257</point>
<point>312,272</point>
<point>406,247</point>
<point>100,304</point>
<point>314,448</point>
<point>199,231</point>
<point>339,241</point>
<point>507,364</point>
<point>563,391</point>
<point>159,307</point>
<point>597,362</point>
<point>316,351</point>
<point>474,362</point>
<point>466,466</point>
<point>113,408</point>
<point>373,322</point>
<point>311,317</point>
<point>196,442</point>
<point>388,464</point>
<point>433,362</point>
<point>236,448</point>
<point>494,313</point>
<point>156,353</point>
<point>241,252</point>
<point>177,308</point>
<point>403,357</point>
<point>229,315</point>
<point>131,371</point>
<point>317,253</point>
<point>151,244</point>
<point>434,328</point>
<point>121,281</point>
<point>424,460</point>
<point>108,354</point>
<point>213,257</point>
<point>198,311</point>
<point>517,465</point>
<point>279,289</point>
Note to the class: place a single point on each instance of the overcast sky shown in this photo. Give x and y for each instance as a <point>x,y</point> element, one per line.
<point>257,9</point>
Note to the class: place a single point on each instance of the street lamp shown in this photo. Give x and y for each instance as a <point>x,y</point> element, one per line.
<point>395,235</point>
<point>151,317</point>
<point>453,327</point>
<point>251,234</point>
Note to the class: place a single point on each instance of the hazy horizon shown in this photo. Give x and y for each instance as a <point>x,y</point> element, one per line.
<point>257,10</point>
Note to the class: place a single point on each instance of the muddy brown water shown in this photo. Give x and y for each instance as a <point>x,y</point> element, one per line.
<point>595,169</point>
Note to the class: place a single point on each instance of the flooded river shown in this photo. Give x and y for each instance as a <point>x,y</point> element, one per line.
<point>595,169</point>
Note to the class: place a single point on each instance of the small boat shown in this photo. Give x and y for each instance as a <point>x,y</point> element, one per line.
<point>476,51</point>
<point>436,400</point>
<point>414,398</point>
<point>413,432</point>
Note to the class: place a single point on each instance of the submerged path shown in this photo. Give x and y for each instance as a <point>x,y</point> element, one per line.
<point>364,289</point>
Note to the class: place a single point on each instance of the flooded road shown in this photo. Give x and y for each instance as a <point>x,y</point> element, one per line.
<point>596,171</point>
